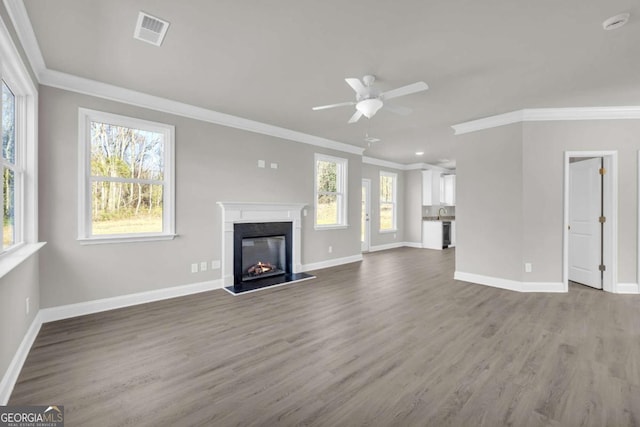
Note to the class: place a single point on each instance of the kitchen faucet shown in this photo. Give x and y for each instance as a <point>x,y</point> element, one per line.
<point>441,209</point>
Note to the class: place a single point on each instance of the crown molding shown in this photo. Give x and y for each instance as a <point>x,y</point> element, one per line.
<point>383,163</point>
<point>98,89</point>
<point>18,14</point>
<point>548,114</point>
<point>399,166</point>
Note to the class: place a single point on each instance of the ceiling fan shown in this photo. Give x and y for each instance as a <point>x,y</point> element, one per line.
<point>369,99</point>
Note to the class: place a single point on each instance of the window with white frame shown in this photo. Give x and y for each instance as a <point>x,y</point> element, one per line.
<point>126,178</point>
<point>18,161</point>
<point>388,205</point>
<point>330,191</point>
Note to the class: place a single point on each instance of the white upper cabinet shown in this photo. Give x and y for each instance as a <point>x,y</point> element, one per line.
<point>449,190</point>
<point>430,188</point>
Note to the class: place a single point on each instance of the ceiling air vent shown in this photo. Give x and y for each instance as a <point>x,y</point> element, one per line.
<point>150,29</point>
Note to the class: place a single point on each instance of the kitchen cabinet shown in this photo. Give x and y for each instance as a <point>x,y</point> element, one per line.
<point>430,188</point>
<point>432,234</point>
<point>449,190</point>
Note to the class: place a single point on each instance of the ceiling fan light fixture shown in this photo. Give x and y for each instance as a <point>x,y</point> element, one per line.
<point>369,107</point>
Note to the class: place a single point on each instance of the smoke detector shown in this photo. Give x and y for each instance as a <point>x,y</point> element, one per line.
<point>150,29</point>
<point>615,22</point>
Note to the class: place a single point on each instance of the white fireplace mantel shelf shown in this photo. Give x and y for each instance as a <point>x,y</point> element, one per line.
<point>244,212</point>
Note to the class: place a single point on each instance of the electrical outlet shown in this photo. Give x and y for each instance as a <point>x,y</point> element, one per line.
<point>261,163</point>
<point>27,305</point>
<point>304,212</point>
<point>194,267</point>
<point>330,249</point>
<point>274,166</point>
<point>215,264</point>
<point>527,267</point>
<point>203,266</point>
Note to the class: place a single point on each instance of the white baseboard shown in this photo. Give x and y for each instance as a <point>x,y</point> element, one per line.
<point>89,307</point>
<point>417,245</point>
<point>387,246</point>
<point>627,288</point>
<point>331,263</point>
<point>13,371</point>
<point>511,285</point>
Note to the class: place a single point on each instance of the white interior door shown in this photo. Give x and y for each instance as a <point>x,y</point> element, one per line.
<point>585,235</point>
<point>365,228</point>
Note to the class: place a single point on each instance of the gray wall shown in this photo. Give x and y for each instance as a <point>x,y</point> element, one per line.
<point>489,178</point>
<point>213,163</point>
<point>543,172</point>
<point>15,287</point>
<point>510,196</point>
<point>372,172</point>
<point>413,207</point>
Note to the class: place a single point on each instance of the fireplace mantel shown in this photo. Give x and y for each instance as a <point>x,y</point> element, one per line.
<point>247,212</point>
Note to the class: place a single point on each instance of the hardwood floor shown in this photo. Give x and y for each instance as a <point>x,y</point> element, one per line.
<point>391,341</point>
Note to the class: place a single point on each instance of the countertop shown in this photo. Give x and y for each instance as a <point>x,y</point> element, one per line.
<point>440,218</point>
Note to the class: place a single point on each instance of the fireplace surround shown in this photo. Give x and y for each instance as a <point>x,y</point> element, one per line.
<point>260,216</point>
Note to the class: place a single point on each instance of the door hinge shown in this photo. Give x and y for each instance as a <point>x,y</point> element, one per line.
<point>602,219</point>
<point>602,171</point>
<point>602,267</point>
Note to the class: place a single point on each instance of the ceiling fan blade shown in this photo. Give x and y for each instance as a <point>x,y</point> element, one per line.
<point>356,85</point>
<point>397,109</point>
<point>356,116</point>
<point>341,104</point>
<point>405,90</point>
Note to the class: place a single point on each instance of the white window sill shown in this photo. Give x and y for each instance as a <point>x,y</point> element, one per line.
<point>16,256</point>
<point>330,227</point>
<point>395,230</point>
<point>124,239</point>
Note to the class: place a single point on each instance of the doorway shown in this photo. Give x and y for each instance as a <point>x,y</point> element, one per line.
<point>365,222</point>
<point>590,219</point>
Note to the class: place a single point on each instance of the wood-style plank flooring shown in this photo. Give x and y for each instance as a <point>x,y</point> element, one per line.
<point>391,341</point>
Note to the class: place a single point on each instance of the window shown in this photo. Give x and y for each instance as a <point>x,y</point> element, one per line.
<point>126,178</point>
<point>388,208</point>
<point>330,191</point>
<point>11,172</point>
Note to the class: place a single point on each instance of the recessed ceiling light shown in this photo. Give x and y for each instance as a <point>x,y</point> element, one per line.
<point>615,22</point>
<point>419,153</point>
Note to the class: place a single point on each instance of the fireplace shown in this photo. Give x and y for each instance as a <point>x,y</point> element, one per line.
<point>262,226</point>
<point>261,250</point>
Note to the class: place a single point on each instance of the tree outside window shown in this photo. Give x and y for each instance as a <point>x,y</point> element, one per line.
<point>388,201</point>
<point>9,167</point>
<point>127,181</point>
<point>330,174</point>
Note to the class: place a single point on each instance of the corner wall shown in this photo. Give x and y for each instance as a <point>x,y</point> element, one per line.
<point>489,222</point>
<point>520,169</point>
